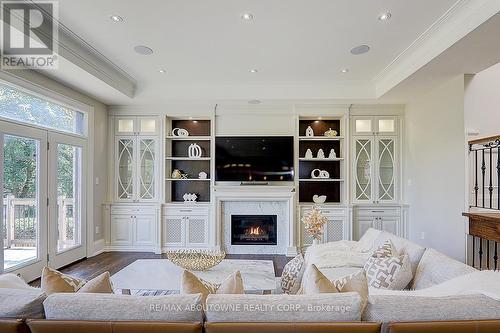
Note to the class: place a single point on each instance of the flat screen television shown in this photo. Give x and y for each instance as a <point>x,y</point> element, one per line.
<point>254,159</point>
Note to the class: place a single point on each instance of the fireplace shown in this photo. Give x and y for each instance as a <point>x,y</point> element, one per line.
<point>254,230</point>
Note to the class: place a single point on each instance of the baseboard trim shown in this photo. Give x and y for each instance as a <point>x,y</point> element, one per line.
<point>98,247</point>
<point>129,249</point>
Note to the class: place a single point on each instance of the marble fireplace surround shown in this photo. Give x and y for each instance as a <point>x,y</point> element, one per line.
<point>256,200</point>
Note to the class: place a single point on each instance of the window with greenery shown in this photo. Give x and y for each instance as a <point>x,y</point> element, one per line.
<point>20,106</point>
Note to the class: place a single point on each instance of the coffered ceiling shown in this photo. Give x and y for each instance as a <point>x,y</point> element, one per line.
<point>299,48</point>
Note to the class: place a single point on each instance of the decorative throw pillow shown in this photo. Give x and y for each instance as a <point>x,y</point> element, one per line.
<point>385,250</point>
<point>53,281</point>
<point>315,282</point>
<point>13,281</point>
<point>191,284</point>
<point>292,275</point>
<point>355,282</point>
<point>389,273</point>
<point>101,284</point>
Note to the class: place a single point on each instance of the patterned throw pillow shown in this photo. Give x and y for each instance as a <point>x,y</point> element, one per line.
<point>385,250</point>
<point>389,273</point>
<point>292,275</point>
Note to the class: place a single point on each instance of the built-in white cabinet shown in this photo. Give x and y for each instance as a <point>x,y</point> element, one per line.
<point>136,160</point>
<point>375,160</point>
<point>133,227</point>
<point>336,228</point>
<point>391,219</point>
<point>125,125</point>
<point>185,225</point>
<point>374,125</point>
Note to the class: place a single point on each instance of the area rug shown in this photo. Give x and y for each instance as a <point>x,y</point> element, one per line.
<point>161,277</point>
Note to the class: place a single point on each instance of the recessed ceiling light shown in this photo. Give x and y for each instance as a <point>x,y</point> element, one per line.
<point>362,49</point>
<point>345,70</point>
<point>163,71</point>
<point>385,16</point>
<point>254,101</point>
<point>144,50</point>
<point>253,70</point>
<point>246,17</point>
<point>116,18</point>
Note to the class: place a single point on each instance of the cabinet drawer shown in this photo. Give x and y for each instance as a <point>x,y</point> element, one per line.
<point>189,211</point>
<point>119,210</point>
<point>325,210</point>
<point>378,212</point>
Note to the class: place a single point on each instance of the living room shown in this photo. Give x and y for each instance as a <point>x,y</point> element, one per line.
<point>331,165</point>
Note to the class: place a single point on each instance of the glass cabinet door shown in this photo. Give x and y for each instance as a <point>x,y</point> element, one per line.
<point>363,172</point>
<point>147,126</point>
<point>147,171</point>
<point>386,169</point>
<point>125,126</point>
<point>125,172</point>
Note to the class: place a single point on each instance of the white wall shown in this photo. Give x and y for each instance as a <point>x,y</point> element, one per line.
<point>100,134</point>
<point>482,102</point>
<point>435,167</point>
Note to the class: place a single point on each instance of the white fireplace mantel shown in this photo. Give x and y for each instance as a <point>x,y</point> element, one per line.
<point>256,193</point>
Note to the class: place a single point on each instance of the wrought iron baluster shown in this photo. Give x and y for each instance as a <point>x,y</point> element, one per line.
<point>490,188</point>
<point>498,178</point>
<point>474,251</point>
<point>476,186</point>
<point>488,254</point>
<point>495,257</point>
<point>480,253</point>
<point>483,170</point>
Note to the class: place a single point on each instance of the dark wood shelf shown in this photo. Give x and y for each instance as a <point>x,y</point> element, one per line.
<point>199,133</point>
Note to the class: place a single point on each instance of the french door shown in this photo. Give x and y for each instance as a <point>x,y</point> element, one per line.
<point>43,219</point>
<point>23,164</point>
<point>67,193</point>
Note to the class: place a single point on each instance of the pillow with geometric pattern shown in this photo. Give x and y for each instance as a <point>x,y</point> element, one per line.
<point>292,275</point>
<point>392,273</point>
<point>385,250</point>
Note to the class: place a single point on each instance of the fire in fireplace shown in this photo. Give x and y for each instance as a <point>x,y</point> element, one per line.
<point>254,230</point>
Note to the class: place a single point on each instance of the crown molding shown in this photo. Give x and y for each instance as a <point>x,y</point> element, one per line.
<point>456,23</point>
<point>81,54</point>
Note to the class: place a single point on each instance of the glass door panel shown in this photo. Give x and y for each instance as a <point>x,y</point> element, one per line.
<point>147,149</point>
<point>125,126</point>
<point>386,125</point>
<point>67,200</point>
<point>69,184</point>
<point>147,126</point>
<point>125,174</point>
<point>363,126</point>
<point>20,206</point>
<point>23,161</point>
<point>363,155</point>
<point>386,169</point>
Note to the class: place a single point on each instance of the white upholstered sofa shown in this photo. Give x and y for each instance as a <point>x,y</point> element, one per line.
<point>442,288</point>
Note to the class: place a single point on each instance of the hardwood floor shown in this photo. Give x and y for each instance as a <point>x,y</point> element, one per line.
<point>115,261</point>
